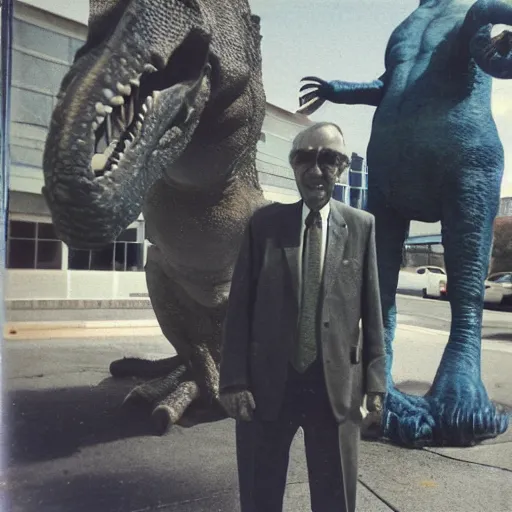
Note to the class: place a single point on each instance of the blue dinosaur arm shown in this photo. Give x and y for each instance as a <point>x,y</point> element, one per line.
<point>357,93</point>
<point>337,91</point>
<point>493,55</point>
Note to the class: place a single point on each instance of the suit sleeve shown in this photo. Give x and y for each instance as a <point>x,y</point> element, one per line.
<point>236,336</point>
<point>374,358</point>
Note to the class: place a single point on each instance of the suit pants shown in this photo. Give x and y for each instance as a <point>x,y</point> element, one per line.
<point>331,450</point>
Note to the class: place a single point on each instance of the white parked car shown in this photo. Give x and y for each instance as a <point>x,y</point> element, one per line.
<point>504,280</point>
<point>436,285</point>
<point>435,281</point>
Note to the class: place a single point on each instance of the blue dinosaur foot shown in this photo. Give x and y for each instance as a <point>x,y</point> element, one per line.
<point>463,413</point>
<point>406,419</point>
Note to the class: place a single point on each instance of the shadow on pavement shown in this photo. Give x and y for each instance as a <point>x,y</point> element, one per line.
<point>172,489</point>
<point>501,336</point>
<point>51,423</point>
<point>413,387</point>
<point>408,291</point>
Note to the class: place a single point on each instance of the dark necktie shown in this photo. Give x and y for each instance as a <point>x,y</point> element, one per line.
<point>306,351</point>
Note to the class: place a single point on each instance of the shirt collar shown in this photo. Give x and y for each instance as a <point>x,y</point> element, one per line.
<point>324,212</point>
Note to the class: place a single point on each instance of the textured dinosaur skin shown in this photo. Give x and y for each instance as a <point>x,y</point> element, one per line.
<point>187,161</point>
<point>435,155</point>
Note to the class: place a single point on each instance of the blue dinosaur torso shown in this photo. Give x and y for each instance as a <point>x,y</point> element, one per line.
<point>434,124</point>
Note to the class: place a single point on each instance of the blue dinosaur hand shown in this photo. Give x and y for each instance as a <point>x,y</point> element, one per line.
<point>311,101</point>
<point>337,91</point>
<point>493,54</point>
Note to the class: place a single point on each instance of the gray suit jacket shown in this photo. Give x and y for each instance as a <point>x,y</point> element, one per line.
<point>262,317</point>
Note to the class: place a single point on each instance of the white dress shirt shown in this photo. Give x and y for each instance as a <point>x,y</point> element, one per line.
<point>324,213</point>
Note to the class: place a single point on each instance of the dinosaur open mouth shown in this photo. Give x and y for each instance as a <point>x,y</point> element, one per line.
<point>121,116</point>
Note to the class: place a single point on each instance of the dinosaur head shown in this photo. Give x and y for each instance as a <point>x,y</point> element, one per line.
<point>153,77</point>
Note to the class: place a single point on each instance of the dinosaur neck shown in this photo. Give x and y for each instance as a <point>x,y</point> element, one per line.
<point>190,175</point>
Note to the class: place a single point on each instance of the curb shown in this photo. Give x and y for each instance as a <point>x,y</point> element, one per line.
<point>83,329</point>
<point>111,328</point>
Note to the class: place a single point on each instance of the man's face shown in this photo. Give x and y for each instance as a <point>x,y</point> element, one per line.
<point>318,157</point>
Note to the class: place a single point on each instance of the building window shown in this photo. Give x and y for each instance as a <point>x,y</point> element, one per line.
<point>125,254</point>
<point>33,245</point>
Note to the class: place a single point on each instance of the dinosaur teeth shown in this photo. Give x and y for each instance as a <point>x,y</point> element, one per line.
<point>98,162</point>
<point>117,101</point>
<point>100,109</point>
<point>135,82</point>
<point>149,68</point>
<point>108,93</point>
<point>100,119</point>
<point>125,90</point>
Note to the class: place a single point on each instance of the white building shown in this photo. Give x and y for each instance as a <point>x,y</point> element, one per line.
<point>46,36</point>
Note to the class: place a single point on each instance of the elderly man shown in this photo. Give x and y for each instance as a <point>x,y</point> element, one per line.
<point>304,286</point>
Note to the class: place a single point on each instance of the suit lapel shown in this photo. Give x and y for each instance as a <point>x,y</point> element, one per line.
<point>336,243</point>
<point>290,242</point>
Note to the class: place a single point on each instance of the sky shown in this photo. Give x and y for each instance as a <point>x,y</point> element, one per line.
<point>345,40</point>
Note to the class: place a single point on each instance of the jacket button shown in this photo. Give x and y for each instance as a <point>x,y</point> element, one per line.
<point>326,325</point>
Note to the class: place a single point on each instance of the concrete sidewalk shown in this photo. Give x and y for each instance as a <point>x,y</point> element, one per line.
<point>73,448</point>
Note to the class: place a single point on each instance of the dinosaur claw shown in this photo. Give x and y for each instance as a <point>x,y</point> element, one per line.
<point>310,107</point>
<point>308,97</point>
<point>305,87</point>
<point>162,417</point>
<point>313,79</point>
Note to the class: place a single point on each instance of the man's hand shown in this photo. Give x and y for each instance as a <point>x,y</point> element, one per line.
<point>375,402</point>
<point>374,405</point>
<point>239,404</point>
<point>372,421</point>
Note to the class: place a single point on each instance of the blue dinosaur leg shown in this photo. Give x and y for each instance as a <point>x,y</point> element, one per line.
<point>459,402</point>
<point>406,419</point>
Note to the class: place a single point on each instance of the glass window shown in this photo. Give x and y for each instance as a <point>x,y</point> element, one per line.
<point>21,253</point>
<point>123,255</point>
<point>79,259</point>
<point>49,254</point>
<point>33,245</point>
<point>22,229</point>
<point>128,235</point>
<point>46,232</point>
<point>103,259</point>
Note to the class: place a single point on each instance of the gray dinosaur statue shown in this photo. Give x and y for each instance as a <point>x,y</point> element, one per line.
<point>435,154</point>
<point>161,113</point>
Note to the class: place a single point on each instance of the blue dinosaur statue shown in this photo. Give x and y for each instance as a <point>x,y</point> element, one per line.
<point>435,155</point>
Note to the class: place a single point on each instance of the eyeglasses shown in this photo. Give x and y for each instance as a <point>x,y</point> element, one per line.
<point>325,158</point>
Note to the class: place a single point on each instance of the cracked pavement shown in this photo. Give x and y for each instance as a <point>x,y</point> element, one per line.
<point>71,447</point>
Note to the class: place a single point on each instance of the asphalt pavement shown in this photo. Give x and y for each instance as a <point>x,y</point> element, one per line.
<point>71,447</point>
<point>436,314</point>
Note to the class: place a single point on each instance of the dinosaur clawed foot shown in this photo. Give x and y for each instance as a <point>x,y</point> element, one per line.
<point>407,420</point>
<point>455,412</point>
<point>173,398</point>
<point>463,412</point>
<point>171,409</point>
